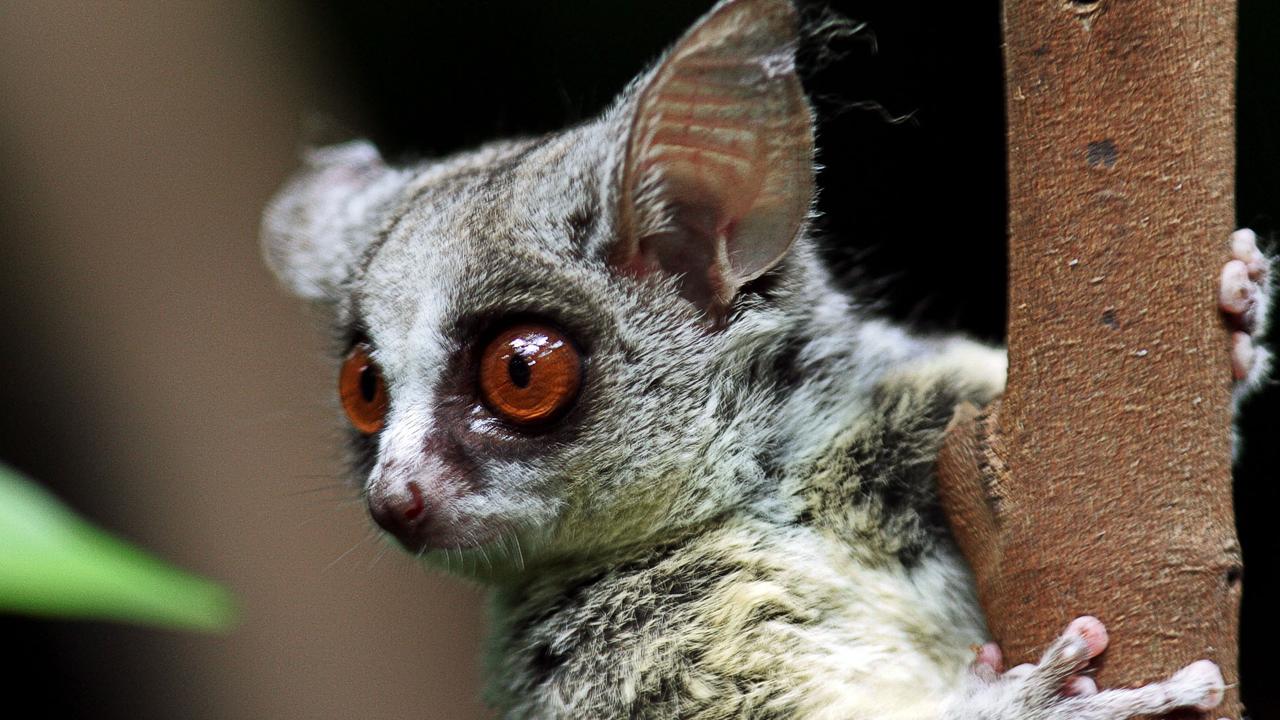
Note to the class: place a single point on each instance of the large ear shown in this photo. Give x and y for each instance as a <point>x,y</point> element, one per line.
<point>718,177</point>
<point>318,224</point>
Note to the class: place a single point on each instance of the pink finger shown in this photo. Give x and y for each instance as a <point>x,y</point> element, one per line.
<point>989,655</point>
<point>1242,355</point>
<point>1235,291</point>
<point>1080,686</point>
<point>1093,631</point>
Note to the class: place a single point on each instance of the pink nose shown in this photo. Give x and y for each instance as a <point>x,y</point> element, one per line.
<point>401,511</point>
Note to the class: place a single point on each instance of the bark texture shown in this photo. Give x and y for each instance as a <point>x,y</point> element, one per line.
<point>1101,484</point>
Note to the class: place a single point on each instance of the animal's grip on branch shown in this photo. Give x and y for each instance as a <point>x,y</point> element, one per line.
<point>1102,487</point>
<point>981,501</point>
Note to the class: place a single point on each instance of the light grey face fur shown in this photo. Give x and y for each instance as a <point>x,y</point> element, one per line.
<point>671,426</point>
<point>736,517</point>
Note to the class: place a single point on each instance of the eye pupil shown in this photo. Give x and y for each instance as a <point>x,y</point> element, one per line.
<point>362,391</point>
<point>529,375</point>
<point>368,383</point>
<point>519,370</point>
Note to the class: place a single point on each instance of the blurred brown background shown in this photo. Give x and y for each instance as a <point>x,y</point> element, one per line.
<point>165,387</point>
<point>154,376</point>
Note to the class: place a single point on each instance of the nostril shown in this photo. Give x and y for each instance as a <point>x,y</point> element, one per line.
<point>400,508</point>
<point>415,506</point>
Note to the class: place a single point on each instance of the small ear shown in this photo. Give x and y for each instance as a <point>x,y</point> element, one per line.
<point>718,177</point>
<point>317,225</point>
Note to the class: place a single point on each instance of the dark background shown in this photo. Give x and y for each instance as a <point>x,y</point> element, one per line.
<point>155,378</point>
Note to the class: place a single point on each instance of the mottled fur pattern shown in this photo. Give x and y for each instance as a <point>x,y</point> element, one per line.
<point>791,451</point>
<point>744,618</point>
<point>736,519</point>
<point>732,523</point>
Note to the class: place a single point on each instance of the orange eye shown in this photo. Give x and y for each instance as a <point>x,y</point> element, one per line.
<point>363,393</point>
<point>530,374</point>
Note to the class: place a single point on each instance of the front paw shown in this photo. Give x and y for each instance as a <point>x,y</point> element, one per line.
<point>1054,689</point>
<point>1245,298</point>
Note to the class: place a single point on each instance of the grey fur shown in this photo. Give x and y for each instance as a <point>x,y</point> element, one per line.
<point>737,519</point>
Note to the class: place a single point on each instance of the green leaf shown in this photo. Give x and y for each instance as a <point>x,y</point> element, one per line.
<point>55,564</point>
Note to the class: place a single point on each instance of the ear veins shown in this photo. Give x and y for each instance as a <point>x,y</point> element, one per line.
<point>718,175</point>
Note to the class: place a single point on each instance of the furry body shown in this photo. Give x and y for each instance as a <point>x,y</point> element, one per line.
<point>814,576</point>
<point>835,594</point>
<point>736,516</point>
<point>796,563</point>
<point>744,619</point>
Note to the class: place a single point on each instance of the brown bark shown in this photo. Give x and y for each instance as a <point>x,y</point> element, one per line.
<point>1101,484</point>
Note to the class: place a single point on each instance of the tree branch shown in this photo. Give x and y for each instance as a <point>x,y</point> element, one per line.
<point>1102,485</point>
